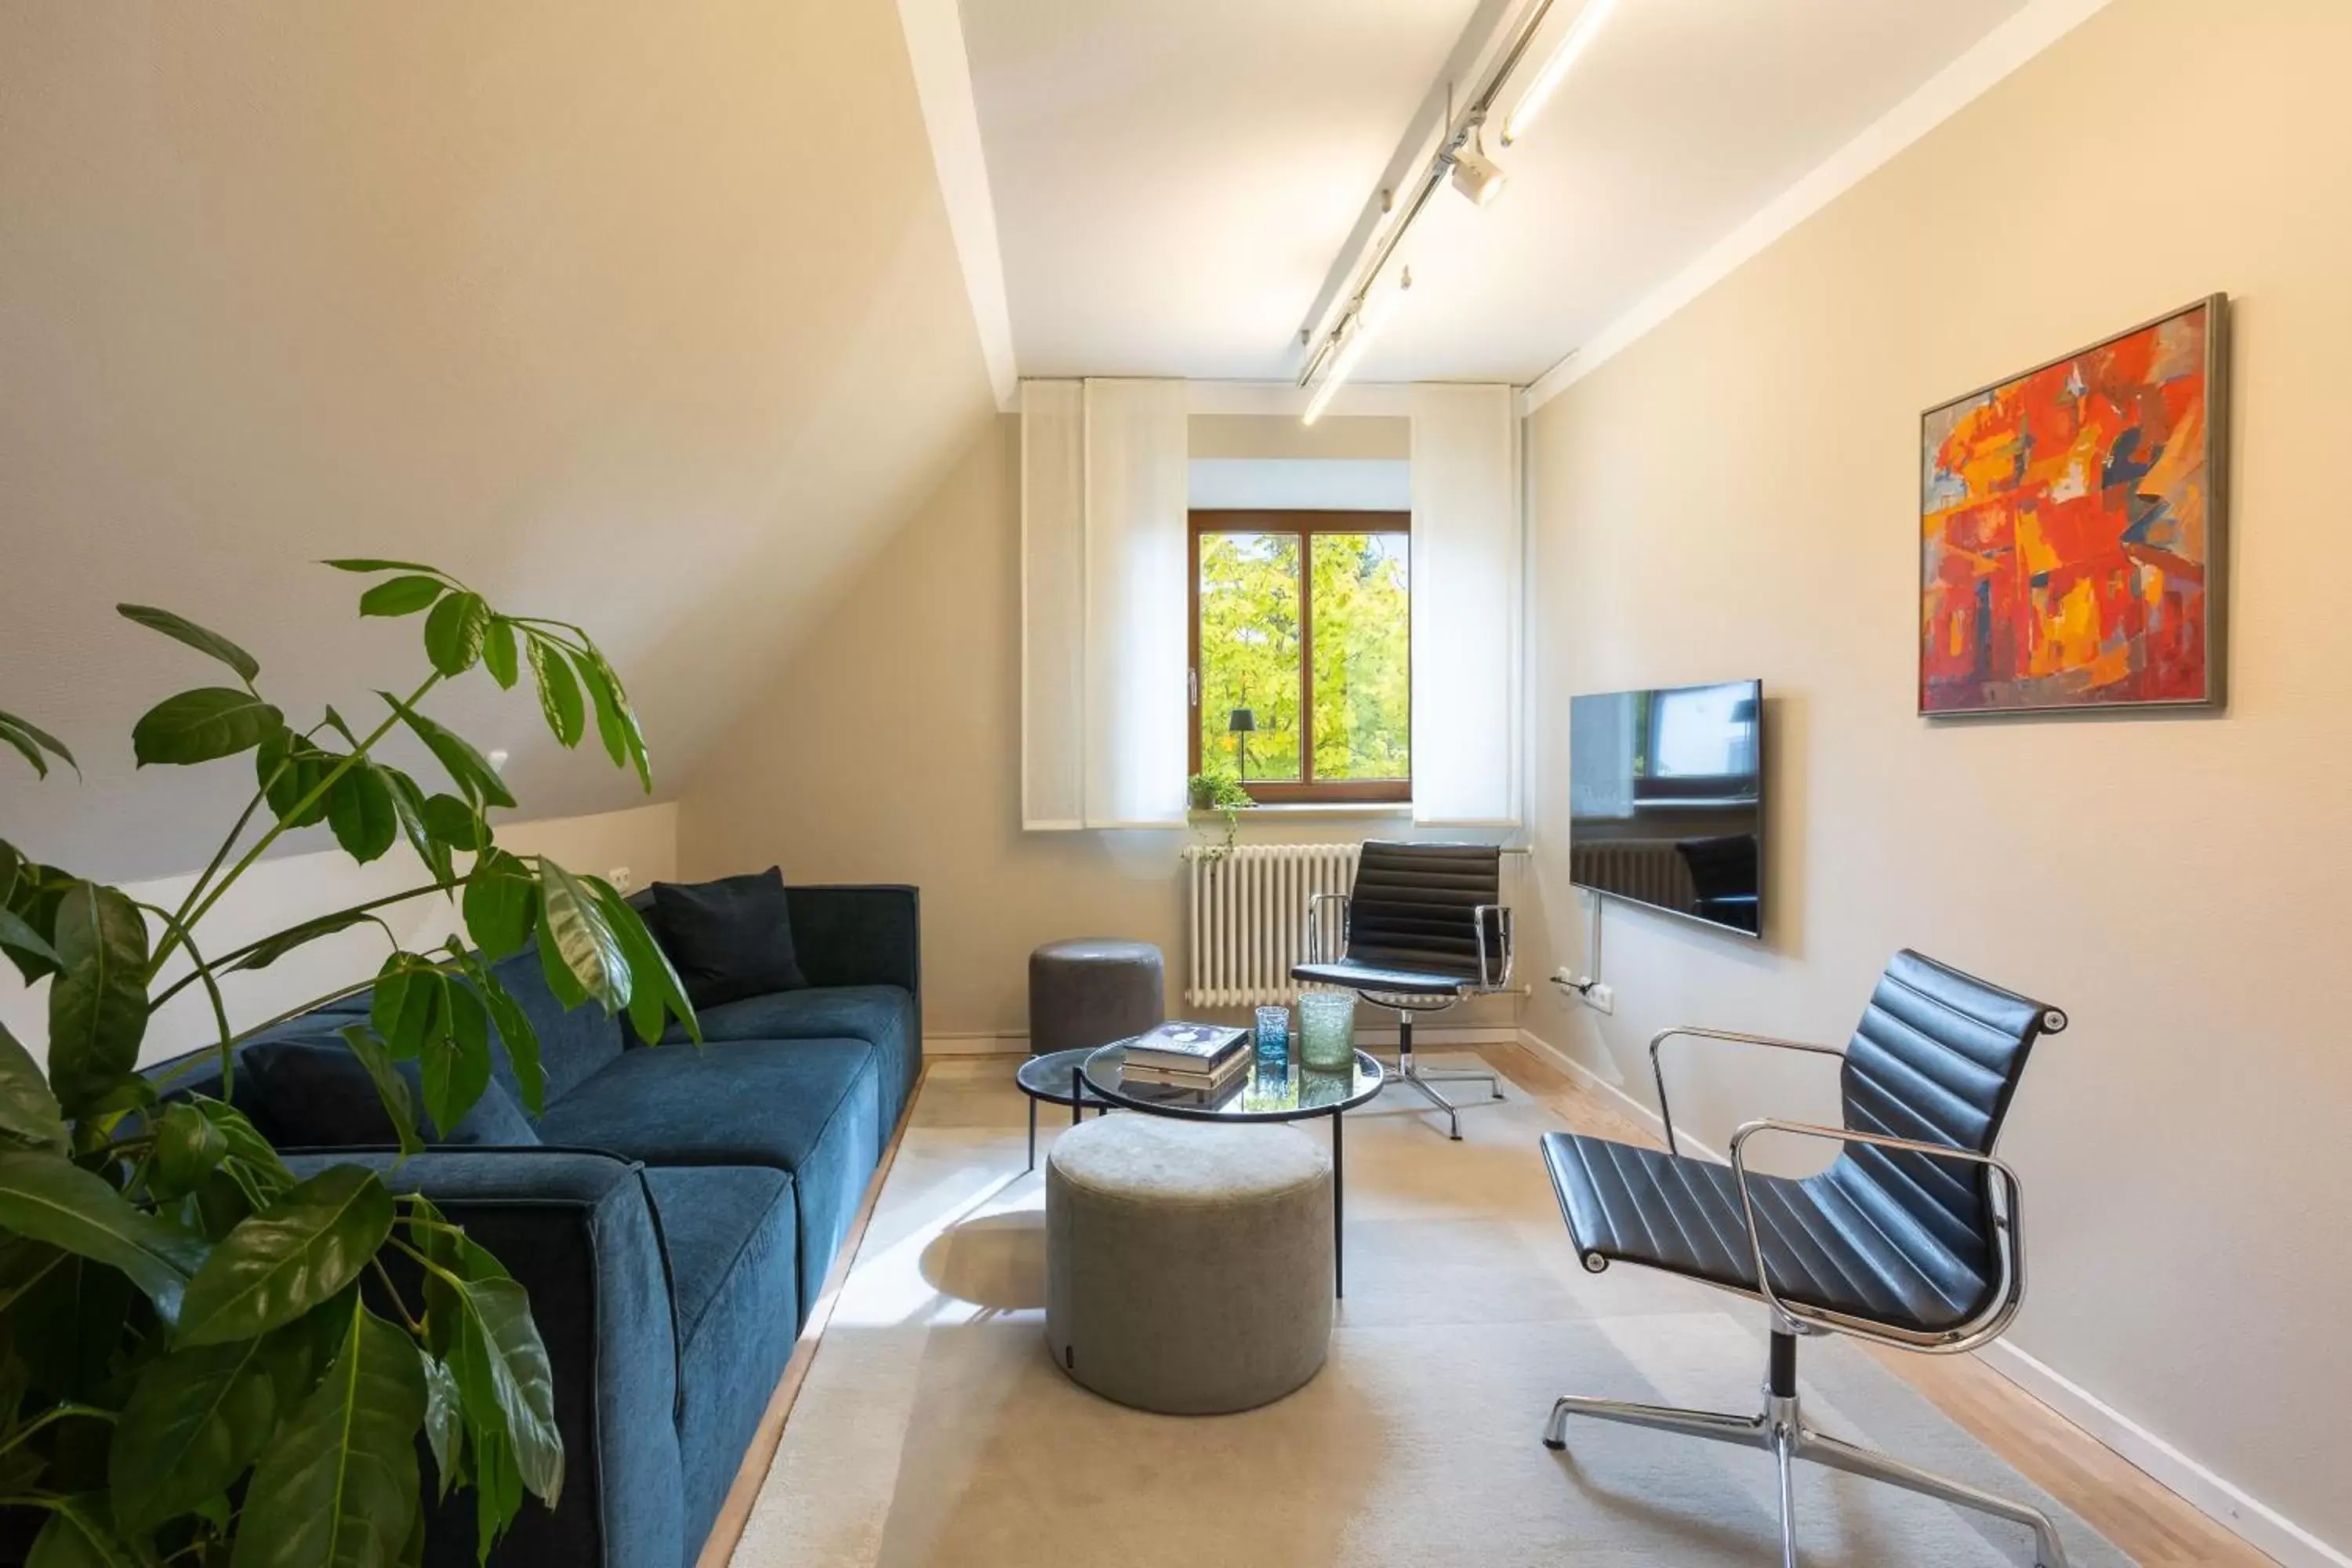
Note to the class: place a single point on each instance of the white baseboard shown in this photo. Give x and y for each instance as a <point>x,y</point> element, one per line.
<point>1428,1037</point>
<point>2227,1504</point>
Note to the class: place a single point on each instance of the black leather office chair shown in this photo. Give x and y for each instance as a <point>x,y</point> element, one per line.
<point>1909,1239</point>
<point>1424,927</point>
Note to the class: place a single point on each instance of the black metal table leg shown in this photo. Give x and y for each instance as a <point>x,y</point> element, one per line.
<point>1032,1136</point>
<point>1338,1199</point>
<point>1077,1096</point>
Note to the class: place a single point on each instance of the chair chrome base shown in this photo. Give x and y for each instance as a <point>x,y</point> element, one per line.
<point>1780,1430</point>
<point>1421,1078</point>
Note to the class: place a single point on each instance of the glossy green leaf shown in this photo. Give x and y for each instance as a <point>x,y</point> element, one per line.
<point>268,952</point>
<point>408,802</point>
<point>455,1060</point>
<point>247,1147</point>
<point>31,739</point>
<point>498,652</point>
<point>180,628</point>
<point>501,903</point>
<point>633,736</point>
<point>455,823</point>
<point>655,990</point>
<point>499,1364</point>
<point>444,1419</point>
<point>203,725</point>
<point>454,633</point>
<point>291,769</point>
<point>368,564</point>
<point>405,1003</point>
<point>289,1258</point>
<point>559,691</point>
<point>17,935</point>
<point>195,1420</point>
<point>515,1035</point>
<point>81,1534</point>
<point>338,1487</point>
<point>359,810</point>
<point>402,595</point>
<point>467,767</point>
<point>52,1200</point>
<point>609,728</point>
<point>35,894</point>
<point>29,1117</point>
<point>390,1087</point>
<point>98,1004</point>
<point>575,940</point>
<point>187,1147</point>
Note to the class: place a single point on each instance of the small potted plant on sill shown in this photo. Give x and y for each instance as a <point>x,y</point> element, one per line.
<point>204,1357</point>
<point>1223,794</point>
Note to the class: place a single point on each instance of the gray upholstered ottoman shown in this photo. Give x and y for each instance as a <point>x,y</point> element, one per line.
<point>1188,1265</point>
<point>1093,991</point>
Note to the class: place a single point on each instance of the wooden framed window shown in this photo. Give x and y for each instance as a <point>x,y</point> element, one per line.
<point>1305,619</point>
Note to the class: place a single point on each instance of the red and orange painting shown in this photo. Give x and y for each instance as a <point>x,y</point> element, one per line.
<point>2071,527</point>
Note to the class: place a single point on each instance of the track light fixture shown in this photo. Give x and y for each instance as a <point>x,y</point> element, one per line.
<point>1357,331</point>
<point>1579,36</point>
<point>1475,176</point>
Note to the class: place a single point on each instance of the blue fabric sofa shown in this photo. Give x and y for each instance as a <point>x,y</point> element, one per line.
<point>676,1219</point>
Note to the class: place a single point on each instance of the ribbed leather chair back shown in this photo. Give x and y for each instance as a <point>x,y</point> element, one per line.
<point>1937,1058</point>
<point>1413,906</point>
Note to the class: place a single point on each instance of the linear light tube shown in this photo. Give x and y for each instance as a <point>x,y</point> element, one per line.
<point>1369,318</point>
<point>1580,34</point>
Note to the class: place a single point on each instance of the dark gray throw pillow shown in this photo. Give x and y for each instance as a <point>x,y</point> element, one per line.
<point>728,939</point>
<point>314,1093</point>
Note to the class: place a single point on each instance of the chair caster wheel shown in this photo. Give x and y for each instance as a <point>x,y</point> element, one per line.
<point>1555,1445</point>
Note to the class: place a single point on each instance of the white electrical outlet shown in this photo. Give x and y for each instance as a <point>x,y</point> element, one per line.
<point>1601,998</point>
<point>619,877</point>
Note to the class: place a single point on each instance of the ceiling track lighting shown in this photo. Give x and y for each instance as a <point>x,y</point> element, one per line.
<point>1460,161</point>
<point>1362,323</point>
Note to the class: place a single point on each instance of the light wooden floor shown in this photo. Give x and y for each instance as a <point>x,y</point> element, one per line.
<point>2151,1525</point>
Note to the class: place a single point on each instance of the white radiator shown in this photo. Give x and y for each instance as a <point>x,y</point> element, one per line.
<point>1249,918</point>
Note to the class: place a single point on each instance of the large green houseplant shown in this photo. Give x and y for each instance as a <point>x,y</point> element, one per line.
<point>202,1358</point>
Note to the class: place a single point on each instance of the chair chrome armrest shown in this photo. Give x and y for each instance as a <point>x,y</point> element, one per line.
<point>1313,946</point>
<point>2008,1223</point>
<point>1504,938</point>
<point>1695,1031</point>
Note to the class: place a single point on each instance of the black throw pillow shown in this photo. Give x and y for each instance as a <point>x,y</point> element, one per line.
<point>728,939</point>
<point>314,1093</point>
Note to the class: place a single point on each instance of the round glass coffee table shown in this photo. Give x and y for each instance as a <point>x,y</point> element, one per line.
<point>1270,1091</point>
<point>1056,1079</point>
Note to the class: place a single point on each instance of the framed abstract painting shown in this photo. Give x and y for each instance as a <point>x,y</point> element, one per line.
<point>2071,522</point>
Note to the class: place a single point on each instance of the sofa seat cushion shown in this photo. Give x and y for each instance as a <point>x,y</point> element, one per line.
<point>807,1107</point>
<point>732,1238</point>
<point>881,1015</point>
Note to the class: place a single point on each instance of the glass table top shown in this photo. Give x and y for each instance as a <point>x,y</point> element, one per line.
<point>1273,1089</point>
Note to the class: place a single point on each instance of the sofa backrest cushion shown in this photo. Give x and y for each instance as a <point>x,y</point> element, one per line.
<point>314,1093</point>
<point>573,1043</point>
<point>728,939</point>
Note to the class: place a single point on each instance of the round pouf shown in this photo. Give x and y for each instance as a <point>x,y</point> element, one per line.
<point>1091,993</point>
<point>1188,1265</point>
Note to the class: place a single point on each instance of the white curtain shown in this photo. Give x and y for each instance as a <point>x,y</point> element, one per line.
<point>1103,600</point>
<point>1467,607</point>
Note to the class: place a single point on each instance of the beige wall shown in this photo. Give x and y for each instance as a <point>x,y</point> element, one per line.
<point>1737,495</point>
<point>885,750</point>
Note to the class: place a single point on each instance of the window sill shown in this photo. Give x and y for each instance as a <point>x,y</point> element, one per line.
<point>1309,810</point>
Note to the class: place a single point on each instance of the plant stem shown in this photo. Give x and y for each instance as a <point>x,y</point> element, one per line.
<point>392,1292</point>
<point>61,1413</point>
<point>228,959</point>
<point>245,817</point>
<point>278,829</point>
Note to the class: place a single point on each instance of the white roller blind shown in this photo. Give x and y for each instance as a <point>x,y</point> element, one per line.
<point>1053,603</point>
<point>1103,597</point>
<point>1467,612</point>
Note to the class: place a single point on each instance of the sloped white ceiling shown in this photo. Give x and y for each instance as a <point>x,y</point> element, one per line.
<point>646,317</point>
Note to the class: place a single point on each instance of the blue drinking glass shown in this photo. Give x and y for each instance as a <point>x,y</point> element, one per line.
<point>1273,1036</point>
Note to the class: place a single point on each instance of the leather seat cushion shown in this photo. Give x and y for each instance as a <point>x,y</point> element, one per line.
<point>1632,1204</point>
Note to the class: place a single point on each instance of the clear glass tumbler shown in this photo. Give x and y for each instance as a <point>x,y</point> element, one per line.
<point>1327,1030</point>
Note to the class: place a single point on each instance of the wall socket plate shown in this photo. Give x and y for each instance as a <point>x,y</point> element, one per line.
<point>1601,998</point>
<point>620,879</point>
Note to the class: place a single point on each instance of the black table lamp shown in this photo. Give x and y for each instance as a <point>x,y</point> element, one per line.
<point>1243,724</point>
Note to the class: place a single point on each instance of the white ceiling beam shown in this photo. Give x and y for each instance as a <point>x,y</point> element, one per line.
<point>1992,59</point>
<point>934,31</point>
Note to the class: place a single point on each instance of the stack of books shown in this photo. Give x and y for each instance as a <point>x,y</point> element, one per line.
<point>1209,1057</point>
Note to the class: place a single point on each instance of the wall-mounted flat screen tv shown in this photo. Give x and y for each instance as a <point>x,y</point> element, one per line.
<point>1667,800</point>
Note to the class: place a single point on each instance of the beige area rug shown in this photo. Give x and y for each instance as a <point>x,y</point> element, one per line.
<point>934,1427</point>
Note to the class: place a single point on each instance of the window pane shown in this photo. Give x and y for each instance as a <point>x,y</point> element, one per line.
<point>1249,651</point>
<point>1363,669</point>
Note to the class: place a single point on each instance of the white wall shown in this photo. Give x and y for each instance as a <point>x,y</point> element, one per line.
<point>1737,495</point>
<point>281,892</point>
